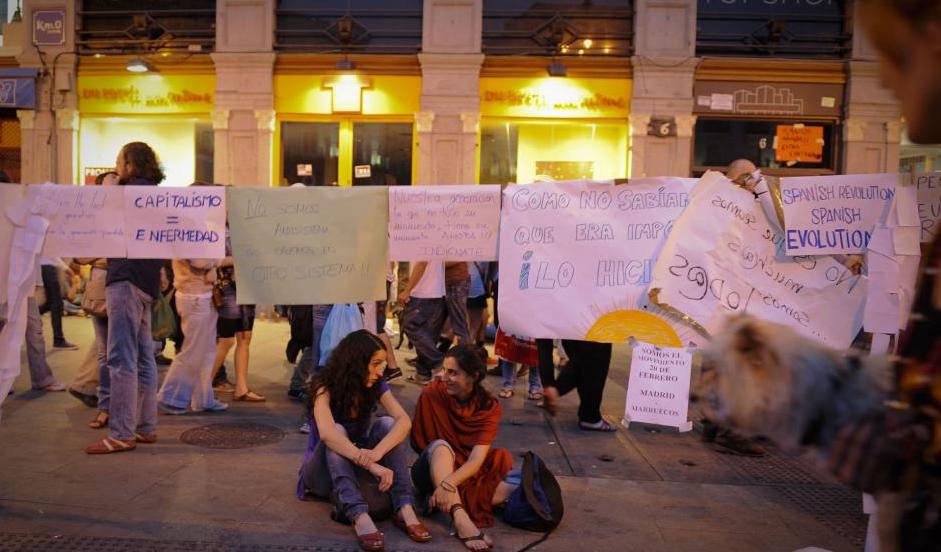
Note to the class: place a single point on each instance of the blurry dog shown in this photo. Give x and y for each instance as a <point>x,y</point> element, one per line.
<point>765,379</point>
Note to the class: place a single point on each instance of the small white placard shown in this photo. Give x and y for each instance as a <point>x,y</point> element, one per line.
<point>658,389</point>
<point>305,169</point>
<point>362,171</point>
<point>722,102</point>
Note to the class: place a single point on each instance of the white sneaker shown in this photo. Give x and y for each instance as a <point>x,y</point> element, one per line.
<point>305,428</point>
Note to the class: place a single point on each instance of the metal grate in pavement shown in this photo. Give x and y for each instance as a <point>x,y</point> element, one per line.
<point>232,435</point>
<point>839,508</point>
<point>18,542</point>
<point>774,469</point>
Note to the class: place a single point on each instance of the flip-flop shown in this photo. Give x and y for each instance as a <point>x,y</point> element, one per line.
<point>480,536</point>
<point>535,396</point>
<point>603,427</point>
<point>249,396</point>
<point>505,394</point>
<point>109,445</point>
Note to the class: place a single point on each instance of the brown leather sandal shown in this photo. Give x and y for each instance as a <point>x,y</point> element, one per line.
<point>109,445</point>
<point>371,542</point>
<point>417,531</point>
<point>147,439</point>
<point>100,421</point>
<point>480,536</point>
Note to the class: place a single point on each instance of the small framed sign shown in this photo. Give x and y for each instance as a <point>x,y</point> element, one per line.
<point>305,169</point>
<point>49,27</point>
<point>661,126</point>
<point>362,171</point>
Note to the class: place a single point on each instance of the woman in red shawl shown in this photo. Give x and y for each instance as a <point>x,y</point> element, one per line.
<point>456,421</point>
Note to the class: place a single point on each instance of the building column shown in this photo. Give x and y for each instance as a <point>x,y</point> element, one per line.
<point>664,69</point>
<point>243,119</point>
<point>872,130</point>
<point>49,139</point>
<point>449,121</point>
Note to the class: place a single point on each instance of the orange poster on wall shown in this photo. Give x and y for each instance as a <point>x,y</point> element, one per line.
<point>798,144</point>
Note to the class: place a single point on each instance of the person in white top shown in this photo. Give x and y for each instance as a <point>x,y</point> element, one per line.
<point>424,315</point>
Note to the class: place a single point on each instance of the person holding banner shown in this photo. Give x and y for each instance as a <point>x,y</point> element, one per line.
<point>131,285</point>
<point>352,457</point>
<point>424,315</point>
<point>585,372</point>
<point>456,421</point>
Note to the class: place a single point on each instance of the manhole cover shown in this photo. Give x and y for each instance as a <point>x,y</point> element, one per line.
<point>232,436</point>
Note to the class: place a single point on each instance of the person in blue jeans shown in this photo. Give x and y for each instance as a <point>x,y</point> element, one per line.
<point>130,288</point>
<point>348,444</point>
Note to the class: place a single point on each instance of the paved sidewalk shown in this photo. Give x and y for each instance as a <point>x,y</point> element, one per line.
<point>639,489</point>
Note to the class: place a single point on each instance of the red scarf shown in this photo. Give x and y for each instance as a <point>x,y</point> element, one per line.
<point>440,416</point>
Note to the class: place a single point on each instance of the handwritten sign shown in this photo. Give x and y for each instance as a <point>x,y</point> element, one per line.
<point>453,223</point>
<point>929,204</point>
<point>834,214</point>
<point>725,257</point>
<point>315,245</point>
<point>89,221</point>
<point>175,223</point>
<point>576,258</point>
<point>799,144</point>
<point>658,386</point>
<point>10,197</point>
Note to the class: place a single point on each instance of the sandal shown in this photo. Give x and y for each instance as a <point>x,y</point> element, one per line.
<point>249,396</point>
<point>147,439</point>
<point>465,540</point>
<point>100,421</point>
<point>535,395</point>
<point>371,542</point>
<point>505,394</point>
<point>417,531</point>
<point>109,445</point>
<point>602,426</point>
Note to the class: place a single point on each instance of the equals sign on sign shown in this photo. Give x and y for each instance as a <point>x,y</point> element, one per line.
<point>173,219</point>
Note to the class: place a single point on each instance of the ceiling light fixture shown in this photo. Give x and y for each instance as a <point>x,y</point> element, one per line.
<point>557,69</point>
<point>344,65</point>
<point>138,65</point>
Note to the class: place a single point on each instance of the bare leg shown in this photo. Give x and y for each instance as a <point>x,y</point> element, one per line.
<point>223,346</point>
<point>503,492</point>
<point>242,342</point>
<point>390,352</point>
<point>442,465</point>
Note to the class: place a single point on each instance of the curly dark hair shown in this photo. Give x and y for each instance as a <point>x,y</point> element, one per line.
<point>472,359</point>
<point>143,162</point>
<point>917,12</point>
<point>344,377</point>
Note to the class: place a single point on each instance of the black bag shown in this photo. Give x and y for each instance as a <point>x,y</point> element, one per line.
<point>536,505</point>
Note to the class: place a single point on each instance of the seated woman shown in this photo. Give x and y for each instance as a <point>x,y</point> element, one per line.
<point>456,420</point>
<point>347,440</point>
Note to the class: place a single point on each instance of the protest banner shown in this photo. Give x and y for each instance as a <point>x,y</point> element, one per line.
<point>89,221</point>
<point>316,245</point>
<point>929,204</point>
<point>576,258</point>
<point>446,223</point>
<point>658,386</point>
<point>10,196</point>
<point>798,144</point>
<point>826,215</point>
<point>724,257</point>
<point>175,223</point>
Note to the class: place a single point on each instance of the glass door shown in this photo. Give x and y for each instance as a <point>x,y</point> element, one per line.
<point>382,154</point>
<point>310,153</point>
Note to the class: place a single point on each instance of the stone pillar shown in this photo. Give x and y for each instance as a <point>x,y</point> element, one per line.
<point>243,119</point>
<point>449,121</point>
<point>664,69</point>
<point>872,130</point>
<point>49,134</point>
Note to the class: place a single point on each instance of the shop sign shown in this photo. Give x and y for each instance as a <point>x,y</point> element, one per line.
<point>555,97</point>
<point>768,99</point>
<point>147,94</point>
<point>49,27</point>
<point>18,93</point>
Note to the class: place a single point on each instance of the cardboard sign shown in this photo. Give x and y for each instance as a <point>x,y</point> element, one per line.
<point>929,204</point>
<point>89,221</point>
<point>175,223</point>
<point>826,215</point>
<point>724,257</point>
<point>658,387</point>
<point>576,258</point>
<point>312,245</point>
<point>447,223</point>
<point>799,144</point>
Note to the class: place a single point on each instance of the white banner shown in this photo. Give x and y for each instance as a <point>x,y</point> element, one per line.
<point>929,204</point>
<point>826,215</point>
<point>89,221</point>
<point>723,257</point>
<point>175,223</point>
<point>576,258</point>
<point>658,387</point>
<point>446,223</point>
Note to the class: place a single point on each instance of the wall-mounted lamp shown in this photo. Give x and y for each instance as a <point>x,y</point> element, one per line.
<point>557,69</point>
<point>347,92</point>
<point>138,65</point>
<point>344,65</point>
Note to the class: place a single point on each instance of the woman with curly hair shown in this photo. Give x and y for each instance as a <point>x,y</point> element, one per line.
<point>456,422</point>
<point>347,442</point>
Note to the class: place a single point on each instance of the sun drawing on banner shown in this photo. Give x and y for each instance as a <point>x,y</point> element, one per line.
<point>650,324</point>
